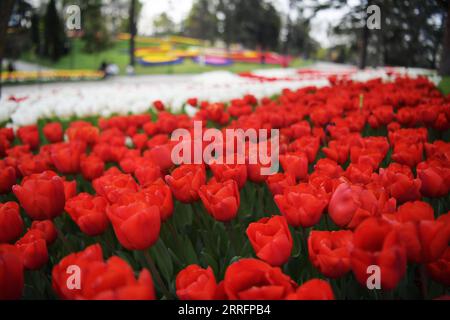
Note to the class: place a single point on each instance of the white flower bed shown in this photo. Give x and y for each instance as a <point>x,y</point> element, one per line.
<point>121,97</point>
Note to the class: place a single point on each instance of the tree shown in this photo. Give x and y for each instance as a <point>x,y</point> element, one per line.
<point>202,21</point>
<point>122,9</point>
<point>227,28</point>
<point>163,25</point>
<point>18,36</point>
<point>258,24</point>
<point>96,36</point>
<point>54,45</point>
<point>409,34</point>
<point>35,33</point>
<point>444,67</point>
<point>299,39</point>
<point>6,7</point>
<point>133,30</point>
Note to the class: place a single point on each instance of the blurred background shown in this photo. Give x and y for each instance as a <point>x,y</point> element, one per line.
<point>119,37</point>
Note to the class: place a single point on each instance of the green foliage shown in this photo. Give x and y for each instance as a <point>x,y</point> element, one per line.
<point>96,36</point>
<point>202,21</point>
<point>163,25</point>
<point>78,59</point>
<point>410,35</point>
<point>253,23</point>
<point>54,40</point>
<point>444,85</point>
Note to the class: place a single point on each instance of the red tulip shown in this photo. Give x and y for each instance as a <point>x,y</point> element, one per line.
<point>41,195</point>
<point>29,135</point>
<point>147,174</point>
<point>89,213</point>
<point>193,102</point>
<point>314,289</point>
<point>84,132</point>
<point>376,243</point>
<point>11,273</point>
<point>185,182</point>
<point>351,204</point>
<point>435,178</point>
<point>400,183</point>
<point>271,240</point>
<point>425,241</point>
<point>439,270</point>
<point>224,172</point>
<point>48,229</point>
<point>136,224</point>
<point>277,183</point>
<point>370,156</point>
<point>66,156</point>
<point>408,154</point>
<point>33,249</point>
<point>7,133</point>
<point>415,212</point>
<point>70,189</point>
<point>329,251</point>
<point>196,283</point>
<point>254,172</point>
<point>381,116</point>
<point>140,140</point>
<point>295,164</point>
<point>11,223</point>
<point>309,145</point>
<point>159,105</point>
<point>133,160</point>
<point>359,173</point>
<point>251,279</point>
<point>7,177</point>
<point>30,164</point>
<point>113,279</point>
<point>301,205</point>
<point>113,185</point>
<point>257,171</point>
<point>221,200</point>
<point>92,167</point>
<point>53,132</point>
<point>338,151</point>
<point>159,194</point>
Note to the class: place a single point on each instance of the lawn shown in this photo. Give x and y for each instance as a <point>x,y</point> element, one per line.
<point>444,85</point>
<point>118,54</point>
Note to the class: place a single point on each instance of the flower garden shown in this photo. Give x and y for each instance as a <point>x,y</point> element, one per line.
<point>358,210</point>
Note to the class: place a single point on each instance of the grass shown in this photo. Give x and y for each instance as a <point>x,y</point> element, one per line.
<point>444,85</point>
<point>118,54</point>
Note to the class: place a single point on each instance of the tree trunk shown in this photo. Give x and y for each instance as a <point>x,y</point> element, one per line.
<point>364,41</point>
<point>132,31</point>
<point>363,53</point>
<point>6,7</point>
<point>444,68</point>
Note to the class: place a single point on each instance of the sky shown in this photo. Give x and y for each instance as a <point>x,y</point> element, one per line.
<point>178,9</point>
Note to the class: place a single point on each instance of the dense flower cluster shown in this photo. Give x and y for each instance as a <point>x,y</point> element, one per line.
<point>364,181</point>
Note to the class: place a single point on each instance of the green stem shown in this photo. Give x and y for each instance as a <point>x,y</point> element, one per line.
<point>156,275</point>
<point>177,239</point>
<point>230,232</point>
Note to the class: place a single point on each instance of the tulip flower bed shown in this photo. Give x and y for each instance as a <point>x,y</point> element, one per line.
<point>94,208</point>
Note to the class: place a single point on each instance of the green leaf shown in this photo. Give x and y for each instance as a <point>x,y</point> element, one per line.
<point>163,260</point>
